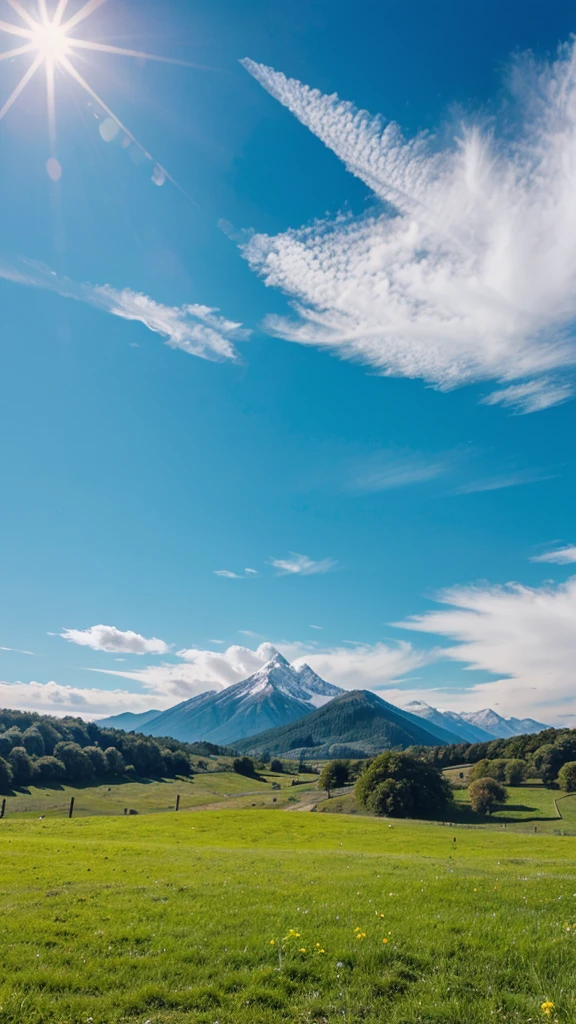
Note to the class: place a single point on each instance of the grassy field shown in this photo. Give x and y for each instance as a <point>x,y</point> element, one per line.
<point>149,796</point>
<point>253,918</point>
<point>530,808</point>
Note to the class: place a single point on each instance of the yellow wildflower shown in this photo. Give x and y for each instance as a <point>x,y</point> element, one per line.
<point>361,935</point>
<point>272,942</point>
<point>547,1007</point>
<point>302,949</point>
<point>384,941</point>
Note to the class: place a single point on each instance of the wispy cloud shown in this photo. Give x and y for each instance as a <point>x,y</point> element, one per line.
<point>301,565</point>
<point>560,556</point>
<point>115,641</point>
<point>229,575</point>
<point>525,634</point>
<point>503,480</point>
<point>469,271</point>
<point>193,328</point>
<point>390,470</point>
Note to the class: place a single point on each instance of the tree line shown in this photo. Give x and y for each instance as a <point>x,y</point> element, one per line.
<point>542,755</point>
<point>42,750</point>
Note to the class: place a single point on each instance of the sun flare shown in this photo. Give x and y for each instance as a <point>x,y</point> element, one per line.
<point>46,37</point>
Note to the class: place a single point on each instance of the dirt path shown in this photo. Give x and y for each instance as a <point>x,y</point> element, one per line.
<point>310,800</point>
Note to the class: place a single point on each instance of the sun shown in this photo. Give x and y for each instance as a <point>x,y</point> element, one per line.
<point>47,38</point>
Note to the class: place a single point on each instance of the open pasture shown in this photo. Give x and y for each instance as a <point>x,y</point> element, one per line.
<point>245,917</point>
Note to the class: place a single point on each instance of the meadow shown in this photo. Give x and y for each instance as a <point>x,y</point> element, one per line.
<point>239,917</point>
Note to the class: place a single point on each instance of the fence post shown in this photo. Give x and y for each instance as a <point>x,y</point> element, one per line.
<point>178,802</point>
<point>71,811</point>
<point>3,808</point>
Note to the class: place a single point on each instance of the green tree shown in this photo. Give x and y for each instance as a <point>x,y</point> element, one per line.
<point>6,776</point>
<point>115,763</point>
<point>276,765</point>
<point>5,745</point>
<point>21,764</point>
<point>516,771</point>
<point>78,766</point>
<point>33,741</point>
<point>486,794</point>
<point>400,786</point>
<point>480,770</point>
<point>244,766</point>
<point>567,777</point>
<point>49,769</point>
<point>14,734</point>
<point>98,760</point>
<point>548,762</point>
<point>333,775</point>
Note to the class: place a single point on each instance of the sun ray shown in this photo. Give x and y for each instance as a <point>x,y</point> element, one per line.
<point>59,12</point>
<point>16,53</point>
<point>51,106</point>
<point>23,13</point>
<point>21,85</point>
<point>43,12</point>
<point>86,44</point>
<point>83,13</point>
<point>15,30</point>
<point>69,67</point>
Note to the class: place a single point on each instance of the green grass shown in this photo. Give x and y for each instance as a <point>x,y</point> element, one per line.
<point>169,919</point>
<point>149,796</point>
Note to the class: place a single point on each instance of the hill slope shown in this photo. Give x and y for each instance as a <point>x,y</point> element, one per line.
<point>356,724</point>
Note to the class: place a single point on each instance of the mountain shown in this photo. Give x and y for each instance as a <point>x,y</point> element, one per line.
<point>355,724</point>
<point>275,695</point>
<point>128,722</point>
<point>464,731</point>
<point>441,725</point>
<point>502,728</point>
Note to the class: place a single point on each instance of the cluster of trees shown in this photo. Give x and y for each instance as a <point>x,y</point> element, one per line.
<point>540,755</point>
<point>400,786</point>
<point>43,750</point>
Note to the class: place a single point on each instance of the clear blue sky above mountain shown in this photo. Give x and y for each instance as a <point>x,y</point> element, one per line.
<point>141,481</point>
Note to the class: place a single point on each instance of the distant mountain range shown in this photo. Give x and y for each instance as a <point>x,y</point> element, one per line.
<point>265,706</point>
<point>278,693</point>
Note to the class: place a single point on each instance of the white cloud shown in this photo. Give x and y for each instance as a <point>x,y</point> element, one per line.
<point>193,328</point>
<point>561,556</point>
<point>361,666</point>
<point>16,650</point>
<point>302,565</point>
<point>390,470</point>
<point>526,634</point>
<point>503,480</point>
<point>229,575</point>
<point>108,638</point>
<point>55,699</point>
<point>468,272</point>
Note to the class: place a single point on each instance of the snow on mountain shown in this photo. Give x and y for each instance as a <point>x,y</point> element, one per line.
<point>501,727</point>
<point>474,726</point>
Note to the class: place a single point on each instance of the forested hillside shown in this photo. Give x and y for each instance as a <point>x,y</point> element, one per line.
<point>42,749</point>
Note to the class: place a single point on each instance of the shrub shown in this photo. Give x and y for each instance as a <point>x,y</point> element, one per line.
<point>399,785</point>
<point>486,794</point>
<point>244,766</point>
<point>567,777</point>
<point>333,775</point>
<point>6,776</point>
<point>21,765</point>
<point>276,765</point>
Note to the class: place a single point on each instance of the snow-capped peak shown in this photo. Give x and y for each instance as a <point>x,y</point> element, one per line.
<point>267,652</point>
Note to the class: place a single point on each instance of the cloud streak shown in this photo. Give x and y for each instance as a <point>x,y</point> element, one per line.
<point>195,329</point>
<point>467,272</point>
<point>115,641</point>
<point>301,565</point>
<point>560,556</point>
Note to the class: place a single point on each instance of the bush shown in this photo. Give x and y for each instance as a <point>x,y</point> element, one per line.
<point>49,769</point>
<point>244,766</point>
<point>486,794</point>
<point>567,777</point>
<point>115,764</point>
<point>400,786</point>
<point>333,775</point>
<point>276,765</point>
<point>21,764</point>
<point>6,776</point>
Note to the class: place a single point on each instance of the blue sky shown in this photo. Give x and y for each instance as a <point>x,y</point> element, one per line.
<point>393,459</point>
